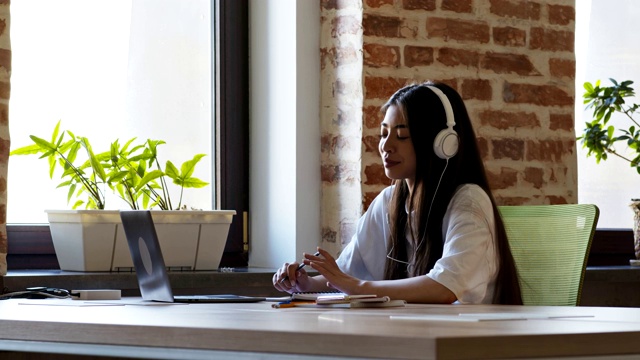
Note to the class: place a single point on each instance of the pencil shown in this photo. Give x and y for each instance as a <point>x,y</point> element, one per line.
<point>282,306</point>
<point>289,304</point>
<point>299,267</point>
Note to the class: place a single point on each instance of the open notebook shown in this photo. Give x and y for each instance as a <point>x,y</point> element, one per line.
<point>149,263</point>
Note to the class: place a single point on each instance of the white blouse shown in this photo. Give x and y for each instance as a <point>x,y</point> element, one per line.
<point>468,266</point>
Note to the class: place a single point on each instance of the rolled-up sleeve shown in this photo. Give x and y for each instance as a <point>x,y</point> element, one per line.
<point>468,266</point>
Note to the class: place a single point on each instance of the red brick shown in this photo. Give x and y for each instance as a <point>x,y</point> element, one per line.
<point>509,36</point>
<point>375,175</point>
<point>368,197</point>
<point>382,26</point>
<point>5,90</point>
<point>505,179</point>
<point>342,25</point>
<point>561,122</point>
<point>4,114</point>
<point>378,3</point>
<point>382,87</point>
<point>512,200</point>
<point>476,89</point>
<point>339,173</point>
<point>338,4</point>
<point>337,56</point>
<point>371,144</point>
<point>508,148</point>
<point>527,10</point>
<point>418,56</point>
<point>561,15</point>
<point>332,144</point>
<point>551,40</point>
<point>503,63</point>
<point>534,176</point>
<point>483,147</point>
<point>544,95</point>
<point>548,150</point>
<point>457,57</point>
<point>329,235</point>
<point>502,120</point>
<point>3,214</point>
<point>373,116</point>
<point>5,59</point>
<point>378,56</point>
<point>555,200</point>
<point>419,4</point>
<point>461,30</point>
<point>5,148</point>
<point>459,6</point>
<point>562,68</point>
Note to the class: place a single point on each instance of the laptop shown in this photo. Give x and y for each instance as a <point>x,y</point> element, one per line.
<point>149,263</point>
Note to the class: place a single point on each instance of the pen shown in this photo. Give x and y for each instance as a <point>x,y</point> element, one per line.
<point>299,267</point>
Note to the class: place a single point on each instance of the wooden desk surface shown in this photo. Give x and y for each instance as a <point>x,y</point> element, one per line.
<point>368,333</point>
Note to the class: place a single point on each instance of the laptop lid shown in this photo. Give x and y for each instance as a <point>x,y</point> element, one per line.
<point>148,262</point>
<point>146,255</point>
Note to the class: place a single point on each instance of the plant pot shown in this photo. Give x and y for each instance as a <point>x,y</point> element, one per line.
<point>93,240</point>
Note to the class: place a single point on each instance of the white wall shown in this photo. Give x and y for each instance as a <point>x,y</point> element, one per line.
<point>284,130</point>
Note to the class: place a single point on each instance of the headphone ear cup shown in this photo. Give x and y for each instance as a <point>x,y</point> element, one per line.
<point>445,145</point>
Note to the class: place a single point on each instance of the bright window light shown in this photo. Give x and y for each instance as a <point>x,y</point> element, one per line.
<point>108,70</point>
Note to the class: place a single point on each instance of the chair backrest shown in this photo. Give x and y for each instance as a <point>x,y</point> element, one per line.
<point>550,245</point>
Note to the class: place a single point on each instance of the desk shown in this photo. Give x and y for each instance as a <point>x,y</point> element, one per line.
<point>257,330</point>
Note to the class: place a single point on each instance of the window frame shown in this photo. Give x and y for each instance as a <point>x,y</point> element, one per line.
<point>30,246</point>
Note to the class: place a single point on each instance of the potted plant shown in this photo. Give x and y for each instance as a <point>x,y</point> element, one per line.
<point>92,239</point>
<point>603,139</point>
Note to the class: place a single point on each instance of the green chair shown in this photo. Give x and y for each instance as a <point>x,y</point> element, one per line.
<point>550,245</point>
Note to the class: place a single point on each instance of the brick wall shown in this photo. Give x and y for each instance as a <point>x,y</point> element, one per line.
<point>511,60</point>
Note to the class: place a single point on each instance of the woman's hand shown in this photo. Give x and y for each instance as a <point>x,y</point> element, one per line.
<point>291,278</point>
<point>326,265</point>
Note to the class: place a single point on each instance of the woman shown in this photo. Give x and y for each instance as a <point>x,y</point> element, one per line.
<point>435,236</point>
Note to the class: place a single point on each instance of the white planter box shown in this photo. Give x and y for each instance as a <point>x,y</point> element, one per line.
<point>93,240</point>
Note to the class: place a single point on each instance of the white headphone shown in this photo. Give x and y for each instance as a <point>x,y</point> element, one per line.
<point>445,145</point>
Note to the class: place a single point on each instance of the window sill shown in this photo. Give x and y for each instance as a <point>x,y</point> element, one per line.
<point>240,281</point>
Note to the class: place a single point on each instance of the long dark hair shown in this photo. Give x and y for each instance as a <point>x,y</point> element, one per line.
<point>425,117</point>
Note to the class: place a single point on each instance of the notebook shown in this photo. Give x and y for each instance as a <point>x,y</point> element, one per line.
<point>149,263</point>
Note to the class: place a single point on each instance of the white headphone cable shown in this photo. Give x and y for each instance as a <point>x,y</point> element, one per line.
<point>428,215</point>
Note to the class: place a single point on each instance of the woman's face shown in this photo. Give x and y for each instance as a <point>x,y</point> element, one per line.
<point>396,148</point>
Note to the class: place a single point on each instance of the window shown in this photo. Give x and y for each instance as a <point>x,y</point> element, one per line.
<point>605,36</point>
<point>163,83</point>
<point>109,70</point>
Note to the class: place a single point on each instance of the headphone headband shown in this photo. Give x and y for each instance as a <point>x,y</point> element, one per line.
<point>447,105</point>
<point>445,144</point>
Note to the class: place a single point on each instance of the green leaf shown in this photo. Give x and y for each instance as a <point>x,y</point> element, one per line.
<point>188,167</point>
<point>191,183</point>
<point>26,150</point>
<point>150,176</point>
<point>44,144</point>
<point>171,170</point>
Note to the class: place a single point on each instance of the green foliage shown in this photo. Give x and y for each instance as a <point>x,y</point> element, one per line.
<point>600,138</point>
<point>132,171</point>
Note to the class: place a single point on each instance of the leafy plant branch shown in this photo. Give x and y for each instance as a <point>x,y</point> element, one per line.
<point>64,154</point>
<point>600,139</point>
<point>132,171</point>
